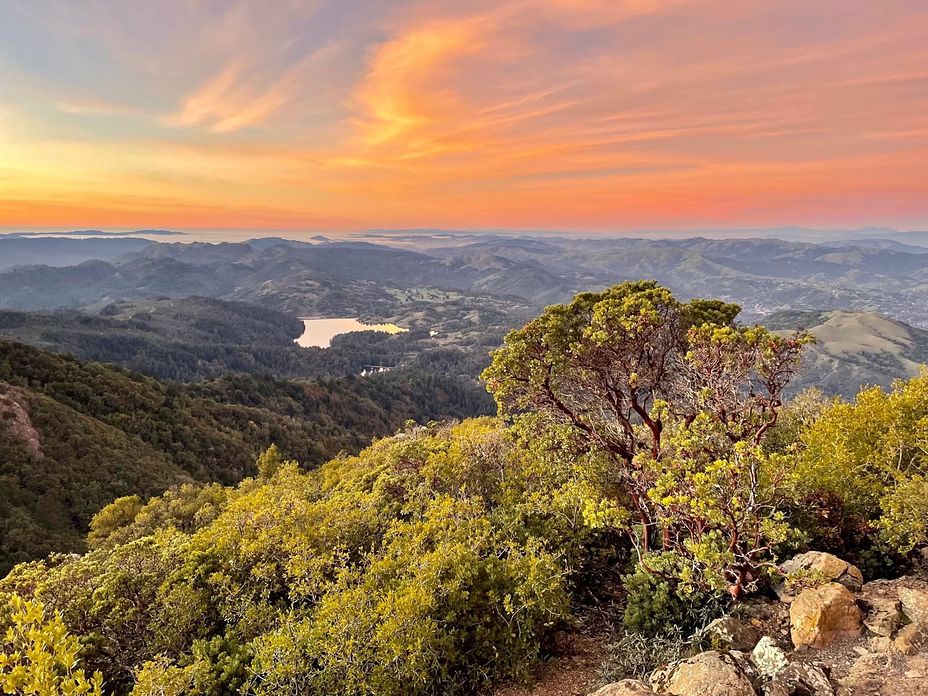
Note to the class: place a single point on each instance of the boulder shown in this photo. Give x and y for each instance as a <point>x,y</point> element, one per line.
<point>827,566</point>
<point>911,639</point>
<point>821,615</point>
<point>884,616</point>
<point>769,658</point>
<point>707,674</point>
<point>866,675</point>
<point>914,602</point>
<point>626,687</point>
<point>729,633</point>
<point>743,661</point>
<point>800,679</point>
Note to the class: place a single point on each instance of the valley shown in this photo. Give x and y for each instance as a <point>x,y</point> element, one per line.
<point>157,378</point>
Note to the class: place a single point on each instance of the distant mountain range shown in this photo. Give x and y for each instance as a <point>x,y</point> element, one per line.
<point>18,250</point>
<point>764,275</point>
<point>469,288</point>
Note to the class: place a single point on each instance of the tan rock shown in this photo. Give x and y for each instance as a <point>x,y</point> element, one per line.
<point>626,687</point>
<point>880,644</point>
<point>825,565</point>
<point>801,678</point>
<point>866,675</point>
<point>729,633</point>
<point>708,674</point>
<point>884,616</point>
<point>911,639</point>
<point>914,603</point>
<point>821,615</point>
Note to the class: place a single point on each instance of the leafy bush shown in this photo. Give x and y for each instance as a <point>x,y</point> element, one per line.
<point>39,656</point>
<point>657,605</point>
<point>868,458</point>
<point>435,560</point>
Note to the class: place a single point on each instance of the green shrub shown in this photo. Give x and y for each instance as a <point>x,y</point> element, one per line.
<point>656,606</point>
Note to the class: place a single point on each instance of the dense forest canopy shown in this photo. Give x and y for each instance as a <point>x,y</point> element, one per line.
<point>79,434</point>
<point>641,441</point>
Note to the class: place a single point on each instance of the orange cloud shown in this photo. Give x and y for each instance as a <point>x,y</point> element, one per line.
<point>597,114</point>
<point>226,103</point>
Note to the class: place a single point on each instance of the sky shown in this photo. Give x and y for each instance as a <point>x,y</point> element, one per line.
<point>597,115</point>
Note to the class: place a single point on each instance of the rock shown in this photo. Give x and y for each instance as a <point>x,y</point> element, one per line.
<point>707,674</point>
<point>884,616</point>
<point>880,644</point>
<point>743,661</point>
<point>866,675</point>
<point>801,679</point>
<point>911,639</point>
<point>821,615</point>
<point>769,658</point>
<point>731,634</point>
<point>825,565</point>
<point>914,603</point>
<point>626,687</point>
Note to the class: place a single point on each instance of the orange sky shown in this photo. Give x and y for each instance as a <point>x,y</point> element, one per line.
<point>529,114</point>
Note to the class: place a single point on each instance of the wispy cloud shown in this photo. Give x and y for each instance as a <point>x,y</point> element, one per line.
<point>228,102</point>
<point>530,113</point>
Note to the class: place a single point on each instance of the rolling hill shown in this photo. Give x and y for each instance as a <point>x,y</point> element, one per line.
<point>854,349</point>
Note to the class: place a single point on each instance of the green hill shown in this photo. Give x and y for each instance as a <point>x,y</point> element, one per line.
<point>73,435</point>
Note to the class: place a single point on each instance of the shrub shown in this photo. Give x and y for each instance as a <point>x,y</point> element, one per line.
<point>635,655</point>
<point>656,605</point>
<point>39,656</point>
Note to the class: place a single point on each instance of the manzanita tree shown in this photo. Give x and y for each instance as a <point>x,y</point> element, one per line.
<point>630,365</point>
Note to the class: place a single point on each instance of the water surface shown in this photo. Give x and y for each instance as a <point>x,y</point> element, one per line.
<point>318,333</point>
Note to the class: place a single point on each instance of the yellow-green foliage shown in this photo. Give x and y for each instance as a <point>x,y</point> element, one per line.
<point>40,658</point>
<point>872,455</point>
<point>431,562</point>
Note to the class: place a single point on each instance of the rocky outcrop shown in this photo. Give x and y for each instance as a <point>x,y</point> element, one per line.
<point>711,673</point>
<point>14,416</point>
<point>914,600</point>
<point>769,658</point>
<point>821,615</point>
<point>730,633</point>
<point>626,687</point>
<point>911,639</point>
<point>823,566</point>
<point>884,616</point>
<point>800,679</point>
<point>832,653</point>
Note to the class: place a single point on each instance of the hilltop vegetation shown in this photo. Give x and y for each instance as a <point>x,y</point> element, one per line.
<point>73,436</point>
<point>645,444</point>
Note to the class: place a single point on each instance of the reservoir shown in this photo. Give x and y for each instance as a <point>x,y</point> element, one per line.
<point>318,333</point>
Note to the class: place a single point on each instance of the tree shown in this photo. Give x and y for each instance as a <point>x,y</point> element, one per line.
<point>626,365</point>
<point>40,657</point>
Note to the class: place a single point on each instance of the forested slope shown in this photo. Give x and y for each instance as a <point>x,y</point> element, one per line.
<point>75,435</point>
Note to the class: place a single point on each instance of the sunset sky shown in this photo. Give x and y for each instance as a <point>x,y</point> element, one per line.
<point>530,114</point>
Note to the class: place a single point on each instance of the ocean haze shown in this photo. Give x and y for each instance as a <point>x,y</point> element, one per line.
<point>867,236</point>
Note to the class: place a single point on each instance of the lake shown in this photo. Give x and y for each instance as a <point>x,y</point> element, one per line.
<point>318,333</point>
